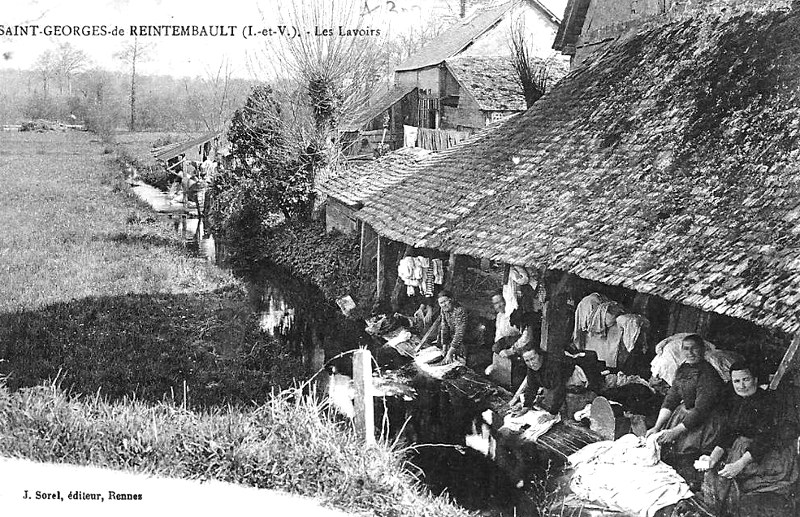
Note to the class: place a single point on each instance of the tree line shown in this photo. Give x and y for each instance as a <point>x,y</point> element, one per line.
<point>64,86</point>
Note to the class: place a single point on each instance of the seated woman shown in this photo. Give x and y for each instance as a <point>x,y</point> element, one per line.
<point>689,416</point>
<point>756,456</point>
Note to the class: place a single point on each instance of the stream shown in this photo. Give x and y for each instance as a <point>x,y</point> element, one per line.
<point>446,451</point>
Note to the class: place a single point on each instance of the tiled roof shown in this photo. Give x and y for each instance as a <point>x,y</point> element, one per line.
<point>438,192</point>
<point>492,82</point>
<point>173,150</point>
<point>456,38</point>
<point>383,103</point>
<point>669,164</point>
<point>356,184</point>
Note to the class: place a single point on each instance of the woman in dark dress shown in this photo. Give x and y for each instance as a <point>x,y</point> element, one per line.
<point>690,420</point>
<point>757,446</point>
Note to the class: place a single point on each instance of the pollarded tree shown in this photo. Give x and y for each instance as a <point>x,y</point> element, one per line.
<point>267,176</point>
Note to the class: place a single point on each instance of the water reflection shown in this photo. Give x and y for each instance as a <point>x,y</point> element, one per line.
<point>194,234</point>
<point>275,314</point>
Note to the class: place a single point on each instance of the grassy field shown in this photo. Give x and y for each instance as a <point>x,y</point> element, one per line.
<point>93,286</point>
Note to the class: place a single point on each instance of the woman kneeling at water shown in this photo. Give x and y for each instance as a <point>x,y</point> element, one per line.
<point>759,452</point>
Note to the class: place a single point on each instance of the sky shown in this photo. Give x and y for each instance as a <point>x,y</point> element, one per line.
<point>176,55</point>
<point>190,55</point>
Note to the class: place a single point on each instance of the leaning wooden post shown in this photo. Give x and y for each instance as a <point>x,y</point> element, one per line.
<point>363,405</point>
<point>789,359</point>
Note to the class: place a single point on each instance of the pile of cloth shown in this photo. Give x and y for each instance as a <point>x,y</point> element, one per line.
<point>626,475</point>
<point>381,324</point>
<point>420,273</point>
<point>668,358</point>
<point>532,424</point>
<point>403,341</point>
<point>427,360</point>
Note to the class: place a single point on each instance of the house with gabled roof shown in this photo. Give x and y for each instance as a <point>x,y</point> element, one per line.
<point>460,81</point>
<point>664,169</point>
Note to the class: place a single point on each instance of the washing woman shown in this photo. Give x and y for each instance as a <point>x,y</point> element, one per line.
<point>689,415</point>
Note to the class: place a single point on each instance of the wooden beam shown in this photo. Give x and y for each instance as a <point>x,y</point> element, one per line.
<point>431,334</point>
<point>381,269</point>
<point>788,361</point>
<point>557,315</point>
<point>362,263</point>
<point>363,404</point>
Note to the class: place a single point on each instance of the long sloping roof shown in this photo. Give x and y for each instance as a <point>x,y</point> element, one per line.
<point>383,103</point>
<point>356,184</point>
<point>456,38</point>
<point>492,81</point>
<point>171,151</point>
<point>669,164</point>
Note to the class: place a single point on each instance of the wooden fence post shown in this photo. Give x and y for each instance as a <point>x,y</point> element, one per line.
<point>363,404</point>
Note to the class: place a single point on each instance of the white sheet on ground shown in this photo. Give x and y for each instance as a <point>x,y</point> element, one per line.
<point>626,475</point>
<point>533,423</point>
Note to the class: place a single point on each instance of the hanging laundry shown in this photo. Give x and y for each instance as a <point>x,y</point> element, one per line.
<point>584,313</point>
<point>438,271</point>
<point>633,326</point>
<point>405,270</point>
<point>510,297</point>
<point>428,282</point>
<point>604,317</point>
<point>606,345</point>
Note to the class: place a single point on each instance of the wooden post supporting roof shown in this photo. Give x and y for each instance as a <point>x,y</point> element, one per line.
<point>454,276</point>
<point>557,314</point>
<point>363,404</point>
<point>362,266</point>
<point>789,360</point>
<point>381,270</point>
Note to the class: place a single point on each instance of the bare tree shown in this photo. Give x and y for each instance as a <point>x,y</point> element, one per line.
<point>214,96</point>
<point>532,73</point>
<point>46,67</point>
<point>334,70</point>
<point>133,53</point>
<point>68,61</point>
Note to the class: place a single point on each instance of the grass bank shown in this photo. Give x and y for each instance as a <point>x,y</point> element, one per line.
<point>290,443</point>
<point>94,286</point>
